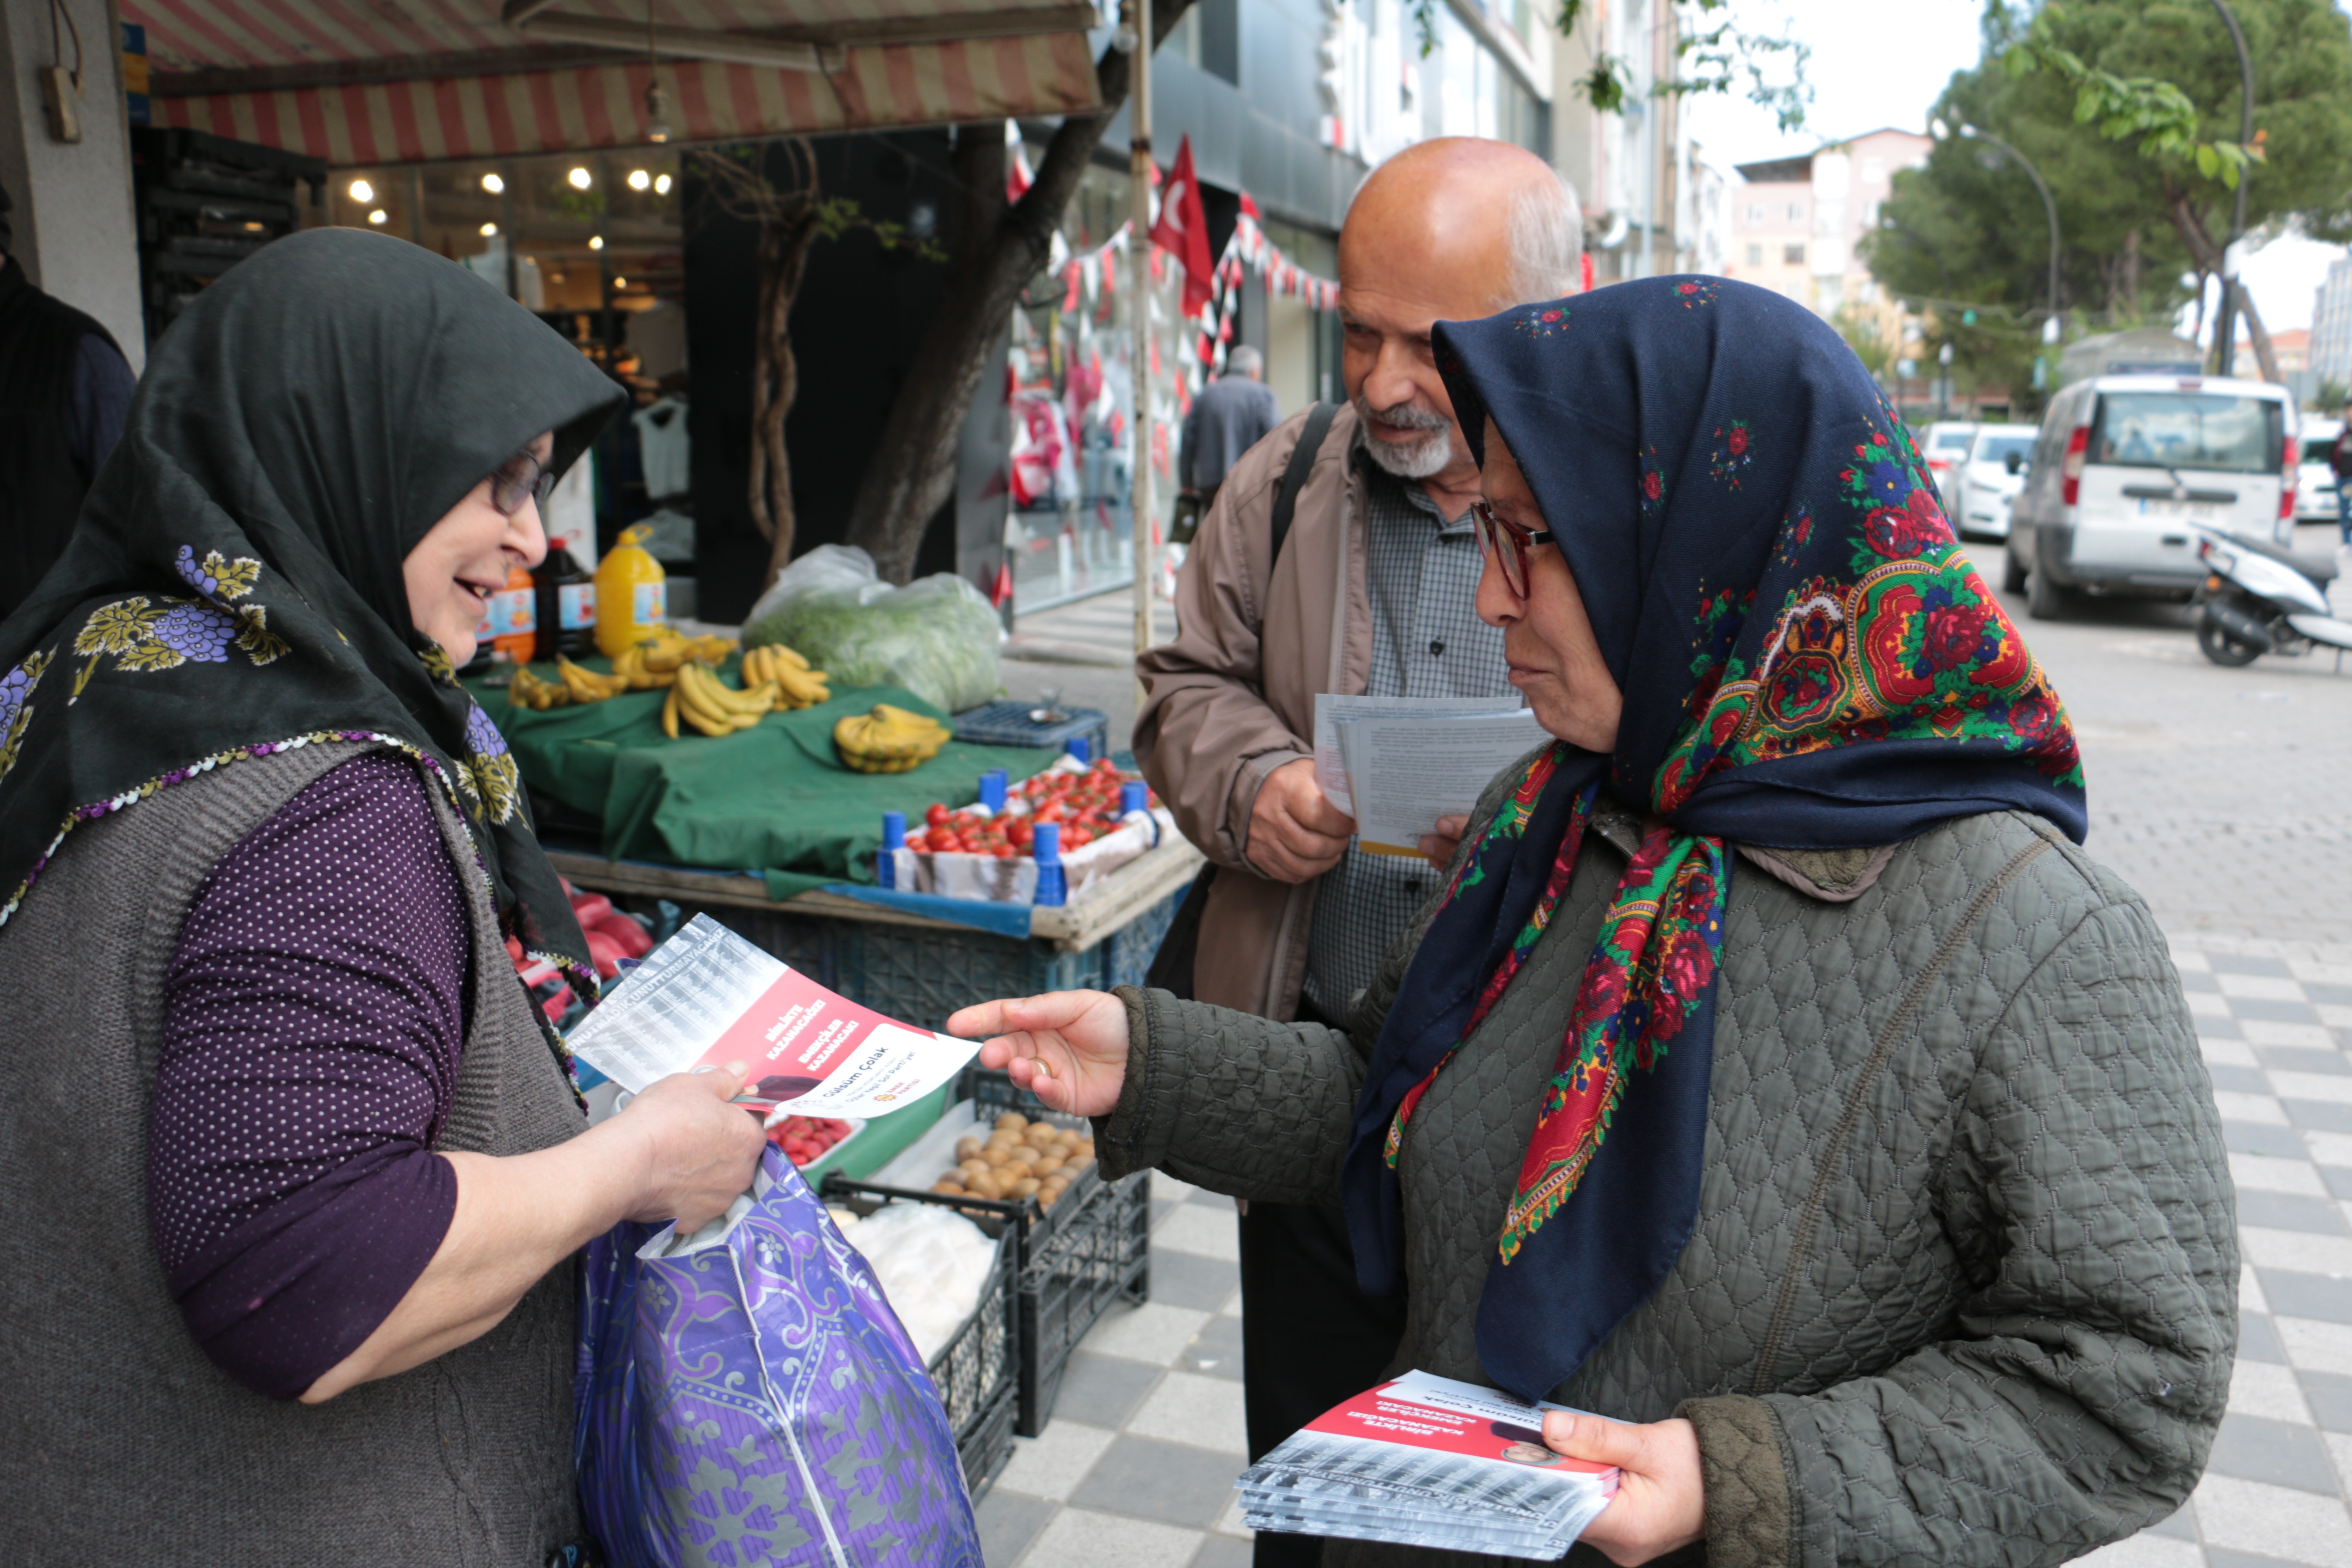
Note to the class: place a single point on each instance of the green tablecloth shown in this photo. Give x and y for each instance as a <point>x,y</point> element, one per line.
<point>774,798</point>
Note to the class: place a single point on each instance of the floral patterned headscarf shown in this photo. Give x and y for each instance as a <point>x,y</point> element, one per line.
<point>234,587</point>
<point>1808,661</point>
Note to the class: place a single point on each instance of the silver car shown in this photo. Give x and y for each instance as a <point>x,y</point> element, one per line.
<point>2314,497</point>
<point>1988,478</point>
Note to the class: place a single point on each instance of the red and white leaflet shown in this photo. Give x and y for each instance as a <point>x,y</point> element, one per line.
<point>708,998</point>
<point>1421,1410</point>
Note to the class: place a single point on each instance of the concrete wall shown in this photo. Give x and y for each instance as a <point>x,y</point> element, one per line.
<point>73,228</point>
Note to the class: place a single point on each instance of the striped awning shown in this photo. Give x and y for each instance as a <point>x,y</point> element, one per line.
<point>360,83</point>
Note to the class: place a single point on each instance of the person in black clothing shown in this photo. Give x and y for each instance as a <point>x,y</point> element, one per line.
<point>1232,414</point>
<point>2339,457</point>
<point>65,389</point>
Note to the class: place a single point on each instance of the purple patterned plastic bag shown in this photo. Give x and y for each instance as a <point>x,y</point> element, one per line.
<point>755,1401</point>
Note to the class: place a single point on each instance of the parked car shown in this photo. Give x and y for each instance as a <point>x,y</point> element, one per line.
<point>2315,493</point>
<point>1988,478</point>
<point>1944,444</point>
<point>2123,464</point>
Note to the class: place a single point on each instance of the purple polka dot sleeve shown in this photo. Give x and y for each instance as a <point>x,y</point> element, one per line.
<point>314,1013</point>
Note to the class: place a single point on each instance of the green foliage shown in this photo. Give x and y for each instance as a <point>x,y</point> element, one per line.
<point>1712,54</point>
<point>2330,398</point>
<point>2158,113</point>
<point>1863,334</point>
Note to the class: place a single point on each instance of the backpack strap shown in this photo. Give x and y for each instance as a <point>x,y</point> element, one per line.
<point>1294,477</point>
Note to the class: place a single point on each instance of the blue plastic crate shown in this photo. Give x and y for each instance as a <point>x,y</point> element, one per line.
<point>1009,724</point>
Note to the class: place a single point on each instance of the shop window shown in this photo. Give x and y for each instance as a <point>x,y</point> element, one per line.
<point>1793,254</point>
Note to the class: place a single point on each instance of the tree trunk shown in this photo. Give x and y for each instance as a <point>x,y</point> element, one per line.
<point>1001,248</point>
<point>775,379</point>
<point>2207,254</point>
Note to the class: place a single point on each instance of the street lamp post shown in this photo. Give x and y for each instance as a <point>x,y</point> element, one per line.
<point>2049,202</point>
<point>2225,338</point>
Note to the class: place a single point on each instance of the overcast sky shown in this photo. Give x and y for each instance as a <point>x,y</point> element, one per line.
<point>1870,69</point>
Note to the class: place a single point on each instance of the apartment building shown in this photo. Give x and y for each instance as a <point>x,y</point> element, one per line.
<point>1797,223</point>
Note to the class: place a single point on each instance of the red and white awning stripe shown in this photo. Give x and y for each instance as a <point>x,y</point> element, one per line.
<point>577,105</point>
<point>586,107</point>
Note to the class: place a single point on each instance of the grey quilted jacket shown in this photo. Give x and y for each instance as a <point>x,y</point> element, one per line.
<point>1963,1285</point>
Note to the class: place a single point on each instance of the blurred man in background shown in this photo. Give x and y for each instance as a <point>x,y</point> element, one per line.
<point>1233,414</point>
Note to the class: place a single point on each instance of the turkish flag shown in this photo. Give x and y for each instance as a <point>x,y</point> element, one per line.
<point>1183,230</point>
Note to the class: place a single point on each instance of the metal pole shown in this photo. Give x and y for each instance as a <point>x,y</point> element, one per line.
<point>2225,336</point>
<point>1139,18</point>
<point>2049,203</point>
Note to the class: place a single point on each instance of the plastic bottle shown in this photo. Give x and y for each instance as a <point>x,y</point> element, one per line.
<point>1082,748</point>
<point>994,786</point>
<point>630,596</point>
<point>565,604</point>
<point>1135,808</point>
<point>1053,882</point>
<point>513,619</point>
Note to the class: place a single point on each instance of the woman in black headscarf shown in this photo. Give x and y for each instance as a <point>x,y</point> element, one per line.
<point>290,1167</point>
<point>1772,1074</point>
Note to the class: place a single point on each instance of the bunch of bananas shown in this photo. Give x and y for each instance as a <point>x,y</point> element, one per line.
<point>586,685</point>
<point>889,740</point>
<point>656,661</point>
<point>802,687</point>
<point>529,691</point>
<point>712,706</point>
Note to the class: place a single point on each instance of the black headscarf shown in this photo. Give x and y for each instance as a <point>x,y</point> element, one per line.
<point>234,586</point>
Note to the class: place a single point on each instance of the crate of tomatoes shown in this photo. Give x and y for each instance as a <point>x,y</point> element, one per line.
<point>1052,838</point>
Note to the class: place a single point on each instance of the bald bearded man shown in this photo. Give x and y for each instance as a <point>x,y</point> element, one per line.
<point>1372,592</point>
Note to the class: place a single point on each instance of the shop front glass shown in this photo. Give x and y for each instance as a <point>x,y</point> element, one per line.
<point>1068,526</point>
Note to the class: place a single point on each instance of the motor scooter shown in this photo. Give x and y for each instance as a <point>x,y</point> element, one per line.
<point>2260,598</point>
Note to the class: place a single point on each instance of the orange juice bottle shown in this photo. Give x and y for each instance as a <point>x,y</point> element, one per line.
<point>514,623</point>
<point>630,590</point>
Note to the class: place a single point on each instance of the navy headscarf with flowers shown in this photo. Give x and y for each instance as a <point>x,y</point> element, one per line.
<point>234,584</point>
<point>1808,661</point>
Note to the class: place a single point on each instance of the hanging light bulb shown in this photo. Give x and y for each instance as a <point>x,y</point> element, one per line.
<point>596,242</point>
<point>657,112</point>
<point>581,178</point>
<point>656,100</point>
<point>661,184</point>
<point>640,179</point>
<point>488,229</point>
<point>362,192</point>
<point>620,283</point>
<point>492,183</point>
<point>376,216</point>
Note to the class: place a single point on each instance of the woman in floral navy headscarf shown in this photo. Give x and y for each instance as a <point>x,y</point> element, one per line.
<point>1772,1073</point>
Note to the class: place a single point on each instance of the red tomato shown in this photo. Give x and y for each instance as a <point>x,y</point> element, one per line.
<point>1050,812</point>
<point>1020,833</point>
<point>1076,839</point>
<point>940,839</point>
<point>936,817</point>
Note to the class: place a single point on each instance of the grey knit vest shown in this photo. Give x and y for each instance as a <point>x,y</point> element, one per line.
<point>119,1441</point>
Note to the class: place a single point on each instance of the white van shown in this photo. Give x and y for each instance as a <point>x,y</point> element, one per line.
<point>1989,477</point>
<point>2121,466</point>
<point>2314,496</point>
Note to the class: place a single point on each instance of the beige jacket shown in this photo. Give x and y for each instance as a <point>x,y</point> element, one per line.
<point>1233,697</point>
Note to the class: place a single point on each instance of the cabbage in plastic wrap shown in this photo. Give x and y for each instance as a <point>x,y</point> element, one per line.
<point>937,636</point>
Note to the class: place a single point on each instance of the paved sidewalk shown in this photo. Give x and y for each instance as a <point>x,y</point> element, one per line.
<point>1135,1470</point>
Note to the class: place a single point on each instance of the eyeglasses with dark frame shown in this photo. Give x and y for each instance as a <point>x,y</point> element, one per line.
<point>519,479</point>
<point>1494,532</point>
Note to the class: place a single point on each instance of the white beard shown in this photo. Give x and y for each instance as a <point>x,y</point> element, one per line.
<point>1418,460</point>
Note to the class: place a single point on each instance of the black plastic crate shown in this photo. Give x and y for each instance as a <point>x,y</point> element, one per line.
<point>979,1372</point>
<point>1009,724</point>
<point>1092,1249</point>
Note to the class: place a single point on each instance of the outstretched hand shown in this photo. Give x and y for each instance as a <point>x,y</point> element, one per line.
<point>1067,1048</point>
<point>1661,1501</point>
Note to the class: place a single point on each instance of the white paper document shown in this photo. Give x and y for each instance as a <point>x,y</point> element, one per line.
<point>1405,773</point>
<point>707,996</point>
<point>1331,710</point>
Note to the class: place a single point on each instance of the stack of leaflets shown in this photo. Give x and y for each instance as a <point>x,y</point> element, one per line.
<point>707,997</point>
<point>1427,1461</point>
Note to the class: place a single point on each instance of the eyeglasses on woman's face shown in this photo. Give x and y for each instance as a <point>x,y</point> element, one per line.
<point>519,479</point>
<point>1507,542</point>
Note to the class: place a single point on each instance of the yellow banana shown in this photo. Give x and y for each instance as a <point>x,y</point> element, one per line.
<point>669,715</point>
<point>700,709</point>
<point>803,689</point>
<point>720,695</point>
